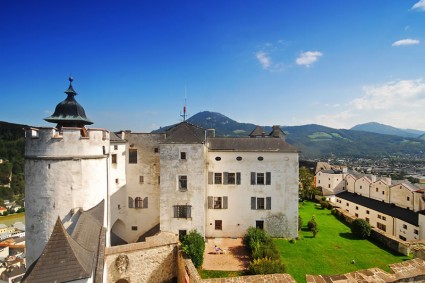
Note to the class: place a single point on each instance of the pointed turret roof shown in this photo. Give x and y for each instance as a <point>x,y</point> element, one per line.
<point>63,258</point>
<point>69,113</point>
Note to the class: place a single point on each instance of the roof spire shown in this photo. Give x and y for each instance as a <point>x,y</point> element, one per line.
<point>70,90</point>
<point>184,115</point>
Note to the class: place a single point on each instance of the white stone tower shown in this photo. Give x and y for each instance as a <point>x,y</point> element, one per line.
<point>66,168</point>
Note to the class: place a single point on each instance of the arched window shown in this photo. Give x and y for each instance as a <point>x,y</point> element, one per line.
<point>121,281</point>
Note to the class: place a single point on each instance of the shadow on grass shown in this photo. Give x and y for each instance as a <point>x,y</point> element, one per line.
<point>348,236</point>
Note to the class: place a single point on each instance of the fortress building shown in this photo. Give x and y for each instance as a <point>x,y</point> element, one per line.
<point>90,189</point>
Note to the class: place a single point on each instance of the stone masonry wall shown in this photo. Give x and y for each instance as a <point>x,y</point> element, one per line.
<point>151,261</point>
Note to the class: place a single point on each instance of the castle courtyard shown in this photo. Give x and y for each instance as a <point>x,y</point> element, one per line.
<point>233,258</point>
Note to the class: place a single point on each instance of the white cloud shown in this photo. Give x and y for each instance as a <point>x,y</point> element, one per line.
<point>308,58</point>
<point>393,95</point>
<point>407,41</point>
<point>264,59</point>
<point>420,5</point>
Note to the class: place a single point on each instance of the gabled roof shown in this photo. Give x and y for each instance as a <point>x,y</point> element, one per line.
<point>62,259</point>
<point>250,144</point>
<point>407,185</point>
<point>185,133</point>
<point>382,207</point>
<point>257,132</point>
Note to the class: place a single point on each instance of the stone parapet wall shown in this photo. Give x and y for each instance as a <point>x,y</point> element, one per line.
<point>151,261</point>
<point>270,278</point>
<point>408,271</point>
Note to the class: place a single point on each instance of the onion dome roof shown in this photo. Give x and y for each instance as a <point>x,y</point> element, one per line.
<point>69,113</point>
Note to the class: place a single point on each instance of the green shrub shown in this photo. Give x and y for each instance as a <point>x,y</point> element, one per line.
<point>360,228</point>
<point>311,224</point>
<point>323,198</point>
<point>193,245</point>
<point>260,244</point>
<point>330,206</point>
<point>293,241</point>
<point>323,204</point>
<point>266,266</point>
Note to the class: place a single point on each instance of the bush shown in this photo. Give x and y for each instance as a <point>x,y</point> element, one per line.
<point>311,224</point>
<point>260,244</point>
<point>323,204</point>
<point>360,228</point>
<point>193,245</point>
<point>266,266</point>
<point>330,206</point>
<point>323,198</point>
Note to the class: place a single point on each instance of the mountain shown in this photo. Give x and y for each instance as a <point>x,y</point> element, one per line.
<point>316,141</point>
<point>378,128</point>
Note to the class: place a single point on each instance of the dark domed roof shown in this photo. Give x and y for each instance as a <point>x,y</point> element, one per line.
<point>69,113</point>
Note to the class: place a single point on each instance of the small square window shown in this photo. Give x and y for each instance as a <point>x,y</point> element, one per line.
<point>357,215</point>
<point>384,218</point>
<point>416,231</point>
<point>367,220</point>
<point>141,179</point>
<point>114,159</point>
<point>156,150</point>
<point>183,155</point>
<point>134,228</point>
<point>218,225</point>
<point>404,226</point>
<point>117,181</point>
<point>367,211</point>
<point>115,147</point>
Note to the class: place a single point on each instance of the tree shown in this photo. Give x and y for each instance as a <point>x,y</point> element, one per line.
<point>312,226</point>
<point>307,189</point>
<point>360,228</point>
<point>193,244</point>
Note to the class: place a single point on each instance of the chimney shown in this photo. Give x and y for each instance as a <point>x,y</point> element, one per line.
<point>210,133</point>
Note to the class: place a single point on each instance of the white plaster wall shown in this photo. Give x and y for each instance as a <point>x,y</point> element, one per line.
<point>408,232</point>
<point>239,216</point>
<point>419,202</point>
<point>148,166</point>
<point>399,195</point>
<point>195,168</point>
<point>379,190</point>
<point>332,182</point>
<point>350,181</point>
<point>61,174</point>
<point>117,191</point>
<point>361,186</point>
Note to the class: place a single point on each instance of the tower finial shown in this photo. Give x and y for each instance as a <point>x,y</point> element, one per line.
<point>70,78</point>
<point>184,115</point>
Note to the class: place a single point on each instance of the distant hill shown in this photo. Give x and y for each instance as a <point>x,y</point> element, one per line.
<point>378,128</point>
<point>317,141</point>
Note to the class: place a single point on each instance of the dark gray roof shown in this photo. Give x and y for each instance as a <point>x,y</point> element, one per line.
<point>277,132</point>
<point>67,258</point>
<point>62,260</point>
<point>69,113</point>
<point>113,137</point>
<point>257,132</point>
<point>383,207</point>
<point>249,144</point>
<point>185,133</point>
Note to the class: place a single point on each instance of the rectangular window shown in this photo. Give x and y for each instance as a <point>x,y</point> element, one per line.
<point>261,203</point>
<point>182,211</point>
<point>141,179</point>
<point>356,215</point>
<point>114,159</point>
<point>132,156</point>
<point>182,234</point>
<point>416,231</point>
<point>115,147</point>
<point>348,204</point>
<point>259,224</point>
<point>260,178</point>
<point>159,179</point>
<point>404,226</point>
<point>384,218</point>
<point>217,202</point>
<point>379,216</point>
<point>156,150</point>
<point>218,225</point>
<point>383,192</point>
<point>367,220</point>
<point>376,189</point>
<point>357,208</point>
<point>183,183</point>
<point>381,226</point>
<point>367,211</point>
<point>408,198</point>
<point>134,228</point>
<point>218,178</point>
<point>141,202</point>
<point>117,181</point>
<point>183,155</point>
<point>402,237</point>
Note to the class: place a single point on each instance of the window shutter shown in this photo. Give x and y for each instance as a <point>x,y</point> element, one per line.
<point>224,202</point>
<point>189,211</point>
<point>130,202</point>
<point>145,202</point>
<point>210,202</point>
<point>268,178</point>
<point>252,178</point>
<point>225,177</point>
<point>210,178</point>
<point>238,178</point>
<point>268,203</point>
<point>253,203</point>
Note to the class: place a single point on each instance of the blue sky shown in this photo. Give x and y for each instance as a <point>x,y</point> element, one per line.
<point>335,63</point>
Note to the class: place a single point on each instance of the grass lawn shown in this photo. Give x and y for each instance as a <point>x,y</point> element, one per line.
<point>12,218</point>
<point>333,249</point>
